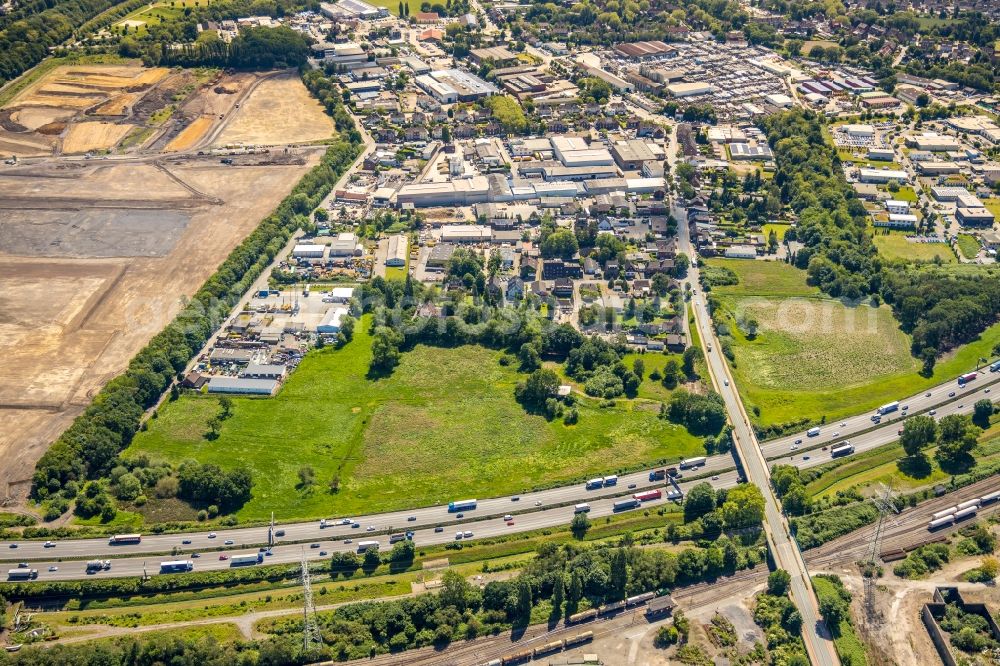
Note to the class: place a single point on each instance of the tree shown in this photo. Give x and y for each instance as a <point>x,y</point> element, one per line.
<point>495,263</point>
<point>957,437</point>
<point>385,349</point>
<point>778,582</point>
<point>558,593</point>
<point>982,411</point>
<point>539,387</point>
<point>575,592</point>
<point>225,407</point>
<point>639,368</point>
<point>918,432</point>
<point>744,507</point>
<point>523,609</point>
<point>691,355</point>
<point>699,501</point>
<point>579,525</point>
<point>671,374</point>
<point>371,560</point>
<point>561,243</point>
<point>619,575</point>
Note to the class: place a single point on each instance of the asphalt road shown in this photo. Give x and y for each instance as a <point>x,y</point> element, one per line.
<point>784,549</point>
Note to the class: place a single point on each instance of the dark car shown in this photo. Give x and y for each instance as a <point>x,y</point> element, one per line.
<point>439,529</point>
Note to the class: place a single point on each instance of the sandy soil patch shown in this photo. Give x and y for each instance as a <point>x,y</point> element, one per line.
<point>190,135</point>
<point>84,137</point>
<point>117,105</point>
<point>65,101</point>
<point>24,145</point>
<point>35,117</point>
<point>67,326</point>
<point>279,110</point>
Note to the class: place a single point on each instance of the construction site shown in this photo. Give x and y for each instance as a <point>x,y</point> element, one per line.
<point>97,252</point>
<point>98,110</point>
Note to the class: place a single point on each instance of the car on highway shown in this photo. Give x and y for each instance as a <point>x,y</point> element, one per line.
<point>461,515</point>
<point>508,517</point>
<point>229,542</point>
<point>53,568</point>
<point>986,391</point>
<point>346,521</point>
<point>726,382</point>
<point>438,530</point>
<point>468,534</point>
<point>715,478</point>
<point>960,406</point>
<point>223,557</point>
<point>843,424</point>
<point>631,486</point>
<point>805,457</point>
<point>932,412</point>
<point>211,535</point>
<point>515,498</point>
<point>795,447</point>
<point>314,545</point>
<point>798,441</point>
<point>951,395</point>
<point>186,541</point>
<point>538,503</point>
<point>412,518</point>
<point>458,535</point>
<point>927,395</point>
<point>347,540</point>
<point>371,528</point>
<point>510,522</point>
<point>322,553</point>
<point>13,545</point>
<point>49,544</point>
<point>904,408</point>
<point>196,555</point>
<point>836,434</point>
<point>355,525</point>
<point>22,565</point>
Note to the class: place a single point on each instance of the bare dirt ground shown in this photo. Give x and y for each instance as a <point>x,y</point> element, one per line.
<point>280,110</point>
<point>96,136</point>
<point>95,258</point>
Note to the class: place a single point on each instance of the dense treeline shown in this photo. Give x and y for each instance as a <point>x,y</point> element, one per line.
<point>25,42</point>
<point>90,446</point>
<point>940,310</point>
<point>254,48</point>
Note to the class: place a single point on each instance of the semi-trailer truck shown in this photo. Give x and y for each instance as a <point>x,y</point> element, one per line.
<point>690,463</point>
<point>176,566</point>
<point>648,495</point>
<point>365,545</point>
<point>813,432</point>
<point>123,539</point>
<point>967,377</point>
<point>93,566</point>
<point>891,407</point>
<point>611,480</point>
<point>595,483</point>
<point>461,505</point>
<point>995,367</point>
<point>844,449</point>
<point>658,475</point>
<point>625,505</point>
<point>22,574</point>
<point>581,508</point>
<point>246,560</point>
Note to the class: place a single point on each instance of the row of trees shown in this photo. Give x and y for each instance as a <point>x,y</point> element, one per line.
<point>89,448</point>
<point>255,48</point>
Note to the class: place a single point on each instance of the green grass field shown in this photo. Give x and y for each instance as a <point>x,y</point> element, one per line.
<point>814,356</point>
<point>444,426</point>
<point>968,246</point>
<point>895,246</point>
<point>393,6</point>
<point>778,229</point>
<point>849,647</point>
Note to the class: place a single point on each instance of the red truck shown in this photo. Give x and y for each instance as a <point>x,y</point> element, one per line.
<point>647,495</point>
<point>967,377</point>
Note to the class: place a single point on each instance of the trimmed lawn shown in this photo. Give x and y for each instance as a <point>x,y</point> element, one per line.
<point>968,245</point>
<point>893,245</point>
<point>814,356</point>
<point>444,425</point>
<point>779,230</point>
<point>905,193</point>
<point>393,6</point>
<point>993,205</point>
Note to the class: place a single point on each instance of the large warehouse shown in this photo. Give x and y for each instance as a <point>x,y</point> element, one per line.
<point>243,385</point>
<point>397,251</point>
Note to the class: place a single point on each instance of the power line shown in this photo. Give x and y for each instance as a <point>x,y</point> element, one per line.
<point>310,628</point>
<point>885,507</point>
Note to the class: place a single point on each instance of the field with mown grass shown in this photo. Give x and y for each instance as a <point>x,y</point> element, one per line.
<point>443,426</point>
<point>894,245</point>
<point>814,356</point>
<point>968,245</point>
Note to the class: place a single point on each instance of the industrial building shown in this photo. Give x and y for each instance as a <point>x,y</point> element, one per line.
<point>453,85</point>
<point>330,324</point>
<point>631,155</point>
<point>936,168</point>
<point>464,192</point>
<point>974,217</point>
<point>465,233</point>
<point>241,385</point>
<point>399,248</point>
<point>345,245</point>
<point>309,251</point>
<point>744,151</point>
<point>690,89</point>
<point>339,295</point>
<point>867,175</point>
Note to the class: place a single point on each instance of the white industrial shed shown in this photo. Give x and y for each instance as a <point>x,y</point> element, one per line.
<point>246,386</point>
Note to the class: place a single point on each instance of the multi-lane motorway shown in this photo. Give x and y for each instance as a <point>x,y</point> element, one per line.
<point>535,510</point>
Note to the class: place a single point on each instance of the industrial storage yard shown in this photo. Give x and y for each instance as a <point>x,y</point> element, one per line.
<point>96,255</point>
